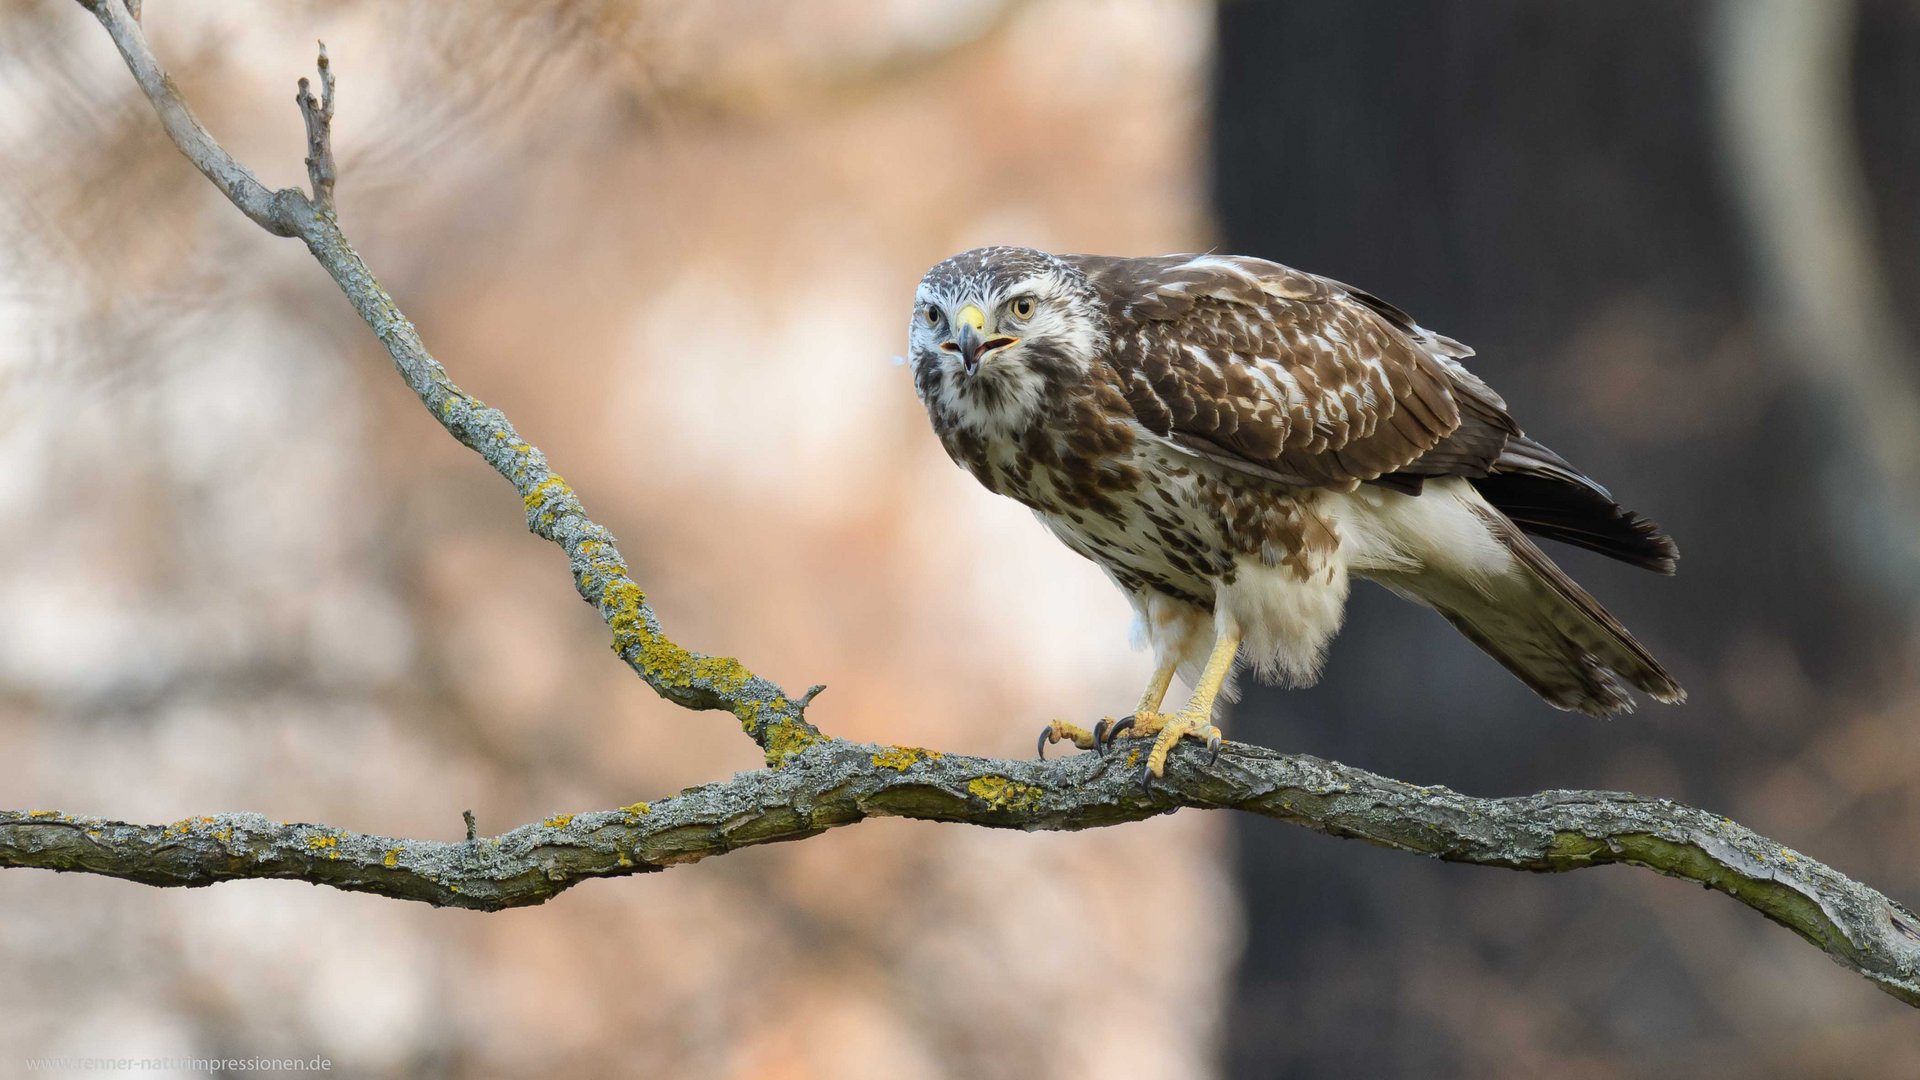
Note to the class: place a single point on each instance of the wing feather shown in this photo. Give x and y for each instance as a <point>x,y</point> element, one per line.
<point>1287,373</point>
<point>1307,382</point>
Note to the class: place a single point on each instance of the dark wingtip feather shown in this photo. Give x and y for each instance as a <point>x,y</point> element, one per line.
<point>1548,497</point>
<point>1582,516</point>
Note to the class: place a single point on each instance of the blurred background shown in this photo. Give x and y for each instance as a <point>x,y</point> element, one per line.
<point>677,244</point>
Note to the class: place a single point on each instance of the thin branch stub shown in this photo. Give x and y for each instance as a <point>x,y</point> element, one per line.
<point>318,115</point>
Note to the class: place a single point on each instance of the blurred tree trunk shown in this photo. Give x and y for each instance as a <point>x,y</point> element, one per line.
<point>1546,182</point>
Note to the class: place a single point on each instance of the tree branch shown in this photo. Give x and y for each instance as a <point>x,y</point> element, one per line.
<point>836,782</point>
<point>815,783</point>
<point>692,680</point>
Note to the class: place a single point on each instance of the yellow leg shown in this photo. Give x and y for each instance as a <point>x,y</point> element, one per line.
<point>1156,690</point>
<point>1061,731</point>
<point>1196,719</point>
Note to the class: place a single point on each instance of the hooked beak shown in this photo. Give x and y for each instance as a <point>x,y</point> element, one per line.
<point>969,342</point>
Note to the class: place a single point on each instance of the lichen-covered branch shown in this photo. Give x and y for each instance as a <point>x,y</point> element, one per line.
<point>816,783</point>
<point>835,782</point>
<point>776,721</point>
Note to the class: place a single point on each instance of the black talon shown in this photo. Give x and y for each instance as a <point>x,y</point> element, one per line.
<point>1100,736</point>
<point>1040,748</point>
<point>1119,726</point>
<point>1213,749</point>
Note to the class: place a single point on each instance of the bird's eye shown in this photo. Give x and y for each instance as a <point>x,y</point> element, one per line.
<point>1022,307</point>
<point>931,315</point>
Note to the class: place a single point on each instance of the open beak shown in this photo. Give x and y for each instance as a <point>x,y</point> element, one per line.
<point>972,346</point>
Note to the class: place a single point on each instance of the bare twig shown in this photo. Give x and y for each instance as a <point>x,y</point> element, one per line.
<point>269,210</point>
<point>819,783</point>
<point>319,118</point>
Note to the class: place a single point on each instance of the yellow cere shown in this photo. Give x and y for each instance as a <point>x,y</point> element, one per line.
<point>973,316</point>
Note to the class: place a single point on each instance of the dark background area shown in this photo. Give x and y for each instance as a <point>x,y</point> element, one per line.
<point>1548,182</point>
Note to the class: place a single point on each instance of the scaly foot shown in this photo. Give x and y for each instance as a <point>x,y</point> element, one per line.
<point>1097,739</point>
<point>1166,730</point>
<point>1061,731</point>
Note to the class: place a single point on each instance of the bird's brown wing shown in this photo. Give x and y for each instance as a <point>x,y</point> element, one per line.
<point>1294,377</point>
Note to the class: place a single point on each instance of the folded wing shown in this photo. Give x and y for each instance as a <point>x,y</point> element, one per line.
<point>1311,383</point>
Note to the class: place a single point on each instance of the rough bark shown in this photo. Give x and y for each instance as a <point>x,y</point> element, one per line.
<point>834,782</point>
<point>813,782</point>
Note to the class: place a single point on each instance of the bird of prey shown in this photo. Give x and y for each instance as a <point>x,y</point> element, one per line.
<point>1232,440</point>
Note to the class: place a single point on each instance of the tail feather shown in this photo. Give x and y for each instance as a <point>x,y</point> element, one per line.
<point>1545,629</point>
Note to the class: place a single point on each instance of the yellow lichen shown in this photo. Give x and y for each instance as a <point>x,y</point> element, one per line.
<point>43,813</point>
<point>553,483</point>
<point>1004,794</point>
<point>330,845</point>
<point>223,835</point>
<point>558,821</point>
<point>637,809</point>
<point>782,738</point>
<point>666,664</point>
<point>392,858</point>
<point>902,758</point>
<point>1133,758</point>
<point>622,601</point>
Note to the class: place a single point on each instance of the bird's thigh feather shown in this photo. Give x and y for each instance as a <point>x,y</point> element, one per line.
<point>1180,633</point>
<point>1286,614</point>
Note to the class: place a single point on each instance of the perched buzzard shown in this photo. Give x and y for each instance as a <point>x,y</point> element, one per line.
<point>1231,439</point>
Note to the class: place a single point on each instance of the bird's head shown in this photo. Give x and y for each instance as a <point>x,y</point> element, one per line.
<point>993,328</point>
